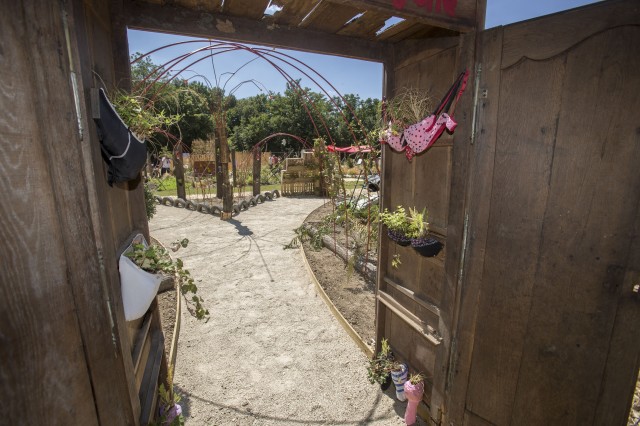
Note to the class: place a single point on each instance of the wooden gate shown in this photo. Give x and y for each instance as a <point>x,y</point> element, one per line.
<point>533,302</point>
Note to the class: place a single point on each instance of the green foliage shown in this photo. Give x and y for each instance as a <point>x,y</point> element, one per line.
<point>418,225</point>
<point>397,220</point>
<point>167,399</point>
<point>381,365</point>
<point>395,261</point>
<point>416,378</point>
<point>304,234</point>
<point>412,225</point>
<point>140,114</point>
<point>155,259</point>
<point>149,202</point>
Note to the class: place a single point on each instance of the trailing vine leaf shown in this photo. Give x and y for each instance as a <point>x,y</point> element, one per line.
<point>155,259</point>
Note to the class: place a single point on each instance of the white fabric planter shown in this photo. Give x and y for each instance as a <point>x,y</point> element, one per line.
<point>138,287</point>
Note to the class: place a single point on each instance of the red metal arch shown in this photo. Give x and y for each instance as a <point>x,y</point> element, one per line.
<point>258,145</point>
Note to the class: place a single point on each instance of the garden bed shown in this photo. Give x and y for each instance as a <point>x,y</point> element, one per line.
<point>349,291</point>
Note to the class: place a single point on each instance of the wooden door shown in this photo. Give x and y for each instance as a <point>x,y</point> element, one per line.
<point>547,330</point>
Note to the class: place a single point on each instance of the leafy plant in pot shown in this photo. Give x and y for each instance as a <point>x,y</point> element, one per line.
<point>398,225</point>
<point>379,367</point>
<point>413,389</point>
<point>421,241</point>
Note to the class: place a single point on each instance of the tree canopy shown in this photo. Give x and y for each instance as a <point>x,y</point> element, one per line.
<point>298,111</point>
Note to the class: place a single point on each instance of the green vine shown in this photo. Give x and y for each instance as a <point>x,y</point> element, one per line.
<point>155,259</point>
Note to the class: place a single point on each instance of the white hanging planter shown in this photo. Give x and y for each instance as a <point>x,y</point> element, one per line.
<point>138,287</point>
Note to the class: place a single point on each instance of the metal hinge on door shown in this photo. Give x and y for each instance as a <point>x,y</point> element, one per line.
<point>475,101</point>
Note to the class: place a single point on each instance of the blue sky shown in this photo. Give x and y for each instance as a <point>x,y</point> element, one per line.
<point>347,75</point>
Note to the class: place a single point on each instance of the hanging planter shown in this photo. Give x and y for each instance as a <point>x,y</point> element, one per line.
<point>427,246</point>
<point>421,135</point>
<point>398,237</point>
<point>125,154</point>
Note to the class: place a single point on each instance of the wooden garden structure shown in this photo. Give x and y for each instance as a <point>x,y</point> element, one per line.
<point>528,316</point>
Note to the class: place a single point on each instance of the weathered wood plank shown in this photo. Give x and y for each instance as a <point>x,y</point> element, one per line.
<point>206,5</point>
<point>545,37</point>
<point>253,9</point>
<point>293,11</point>
<point>457,15</point>
<point>366,25</point>
<point>528,113</point>
<point>328,17</point>
<point>477,203</point>
<point>456,241</point>
<point>178,20</point>
<point>587,233</point>
<point>90,43</point>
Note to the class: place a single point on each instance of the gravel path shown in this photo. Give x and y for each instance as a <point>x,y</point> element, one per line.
<point>271,353</point>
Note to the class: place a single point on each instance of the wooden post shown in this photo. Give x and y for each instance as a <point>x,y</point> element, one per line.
<point>257,166</point>
<point>233,167</point>
<point>216,148</point>
<point>227,190</point>
<point>178,171</point>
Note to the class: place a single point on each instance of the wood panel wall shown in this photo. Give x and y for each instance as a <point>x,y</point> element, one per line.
<point>552,204</point>
<point>419,289</point>
<point>66,355</point>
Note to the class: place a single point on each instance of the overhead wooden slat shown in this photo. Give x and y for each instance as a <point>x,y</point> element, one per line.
<point>184,21</point>
<point>366,25</point>
<point>293,11</point>
<point>205,5</point>
<point>253,9</point>
<point>400,31</point>
<point>330,17</point>
<point>456,15</point>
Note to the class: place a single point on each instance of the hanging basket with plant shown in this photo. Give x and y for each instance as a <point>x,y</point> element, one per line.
<point>398,224</point>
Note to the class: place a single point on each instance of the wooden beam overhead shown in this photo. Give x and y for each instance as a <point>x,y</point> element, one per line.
<point>183,21</point>
<point>366,25</point>
<point>293,11</point>
<point>248,8</point>
<point>457,15</point>
<point>330,17</point>
<point>206,5</point>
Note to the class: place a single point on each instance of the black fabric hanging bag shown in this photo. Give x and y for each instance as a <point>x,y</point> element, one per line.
<point>121,150</point>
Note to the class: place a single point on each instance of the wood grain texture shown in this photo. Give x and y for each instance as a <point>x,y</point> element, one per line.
<point>253,9</point>
<point>477,208</point>
<point>366,25</point>
<point>330,18</point>
<point>179,20</point>
<point>588,228</point>
<point>293,11</point>
<point>457,15</point>
<point>524,152</point>
<point>548,36</point>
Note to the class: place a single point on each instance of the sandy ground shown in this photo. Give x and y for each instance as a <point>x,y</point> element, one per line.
<point>271,352</point>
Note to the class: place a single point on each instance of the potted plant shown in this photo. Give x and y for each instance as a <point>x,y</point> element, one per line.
<point>398,224</point>
<point>421,241</point>
<point>170,412</point>
<point>413,389</point>
<point>379,367</point>
<point>399,373</point>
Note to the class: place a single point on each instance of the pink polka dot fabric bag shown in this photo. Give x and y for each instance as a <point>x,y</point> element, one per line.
<point>420,136</point>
